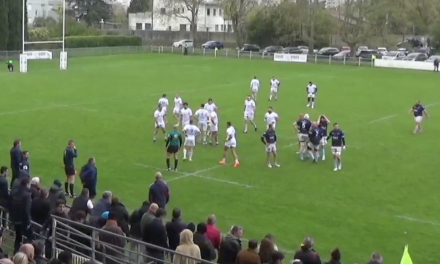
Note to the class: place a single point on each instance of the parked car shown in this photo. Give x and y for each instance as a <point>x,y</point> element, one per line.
<point>432,58</point>
<point>341,55</point>
<point>305,49</point>
<point>345,48</point>
<point>273,49</point>
<point>212,45</point>
<point>366,54</point>
<point>181,43</point>
<point>292,50</point>
<point>416,56</point>
<point>404,50</point>
<point>382,50</point>
<point>394,55</point>
<point>428,51</point>
<point>250,47</point>
<point>329,51</point>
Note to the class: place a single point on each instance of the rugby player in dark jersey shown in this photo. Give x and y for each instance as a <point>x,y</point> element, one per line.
<point>303,126</point>
<point>323,123</point>
<point>338,144</point>
<point>315,136</point>
<point>419,112</point>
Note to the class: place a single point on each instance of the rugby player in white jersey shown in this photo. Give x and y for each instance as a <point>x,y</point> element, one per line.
<point>231,143</point>
<point>191,131</point>
<point>271,118</point>
<point>274,85</point>
<point>178,104</point>
<point>210,107</point>
<point>159,121</point>
<point>311,89</point>
<point>249,113</point>
<point>255,87</point>
<point>202,116</point>
<point>185,115</point>
<point>213,127</point>
<point>163,101</point>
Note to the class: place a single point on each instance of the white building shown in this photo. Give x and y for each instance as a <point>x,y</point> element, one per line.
<point>42,8</point>
<point>210,18</point>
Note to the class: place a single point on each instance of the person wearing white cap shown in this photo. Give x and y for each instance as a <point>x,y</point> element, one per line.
<point>35,187</point>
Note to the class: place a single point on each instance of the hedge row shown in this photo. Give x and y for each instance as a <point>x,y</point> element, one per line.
<point>101,41</point>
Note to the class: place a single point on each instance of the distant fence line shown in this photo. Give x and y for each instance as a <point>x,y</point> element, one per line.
<point>224,53</point>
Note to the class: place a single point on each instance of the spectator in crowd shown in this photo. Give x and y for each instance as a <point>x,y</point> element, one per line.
<point>120,212</point>
<point>135,220</point>
<point>16,156</point>
<point>4,194</point>
<point>82,235</point>
<point>187,248</point>
<point>100,223</point>
<point>40,209</point>
<point>65,257</point>
<point>101,206</point>
<point>156,234</point>
<point>60,205</point>
<point>159,192</point>
<point>20,258</point>
<point>39,251</point>
<point>335,257</point>
<point>266,250</point>
<point>250,255</point>
<point>306,253</point>
<point>6,261</point>
<point>29,251</point>
<point>89,177</point>
<point>81,203</point>
<point>207,250</point>
<point>213,233</point>
<point>35,187</point>
<point>174,228</point>
<point>230,246</point>
<point>149,216</point>
<point>56,193</point>
<point>21,175</point>
<point>2,253</point>
<point>116,251</point>
<point>20,200</point>
<point>89,262</point>
<point>55,261</point>
<point>277,258</point>
<point>191,227</point>
<point>272,239</point>
<point>376,258</point>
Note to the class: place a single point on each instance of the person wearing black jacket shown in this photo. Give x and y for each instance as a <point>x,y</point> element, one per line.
<point>159,192</point>
<point>89,177</point>
<point>40,208</point>
<point>121,215</point>
<point>24,163</point>
<point>335,257</point>
<point>306,253</point>
<point>4,194</point>
<point>16,156</point>
<point>55,194</point>
<point>156,234</point>
<point>207,250</point>
<point>20,200</point>
<point>135,220</point>
<point>60,205</point>
<point>174,228</point>
<point>21,175</point>
<point>81,203</point>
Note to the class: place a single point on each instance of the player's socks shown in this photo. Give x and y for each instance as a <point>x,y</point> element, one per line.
<point>176,162</point>
<point>236,163</point>
<point>336,164</point>
<point>66,187</point>
<point>245,128</point>
<point>313,104</point>
<point>72,189</point>
<point>184,153</point>
<point>168,163</point>
<point>339,165</point>
<point>190,154</point>
<point>312,156</point>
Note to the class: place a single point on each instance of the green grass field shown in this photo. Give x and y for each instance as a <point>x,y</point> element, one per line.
<point>388,185</point>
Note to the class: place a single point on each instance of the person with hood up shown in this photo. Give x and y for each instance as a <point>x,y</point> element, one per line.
<point>335,257</point>
<point>56,194</point>
<point>306,253</point>
<point>187,248</point>
<point>230,246</point>
<point>121,215</point>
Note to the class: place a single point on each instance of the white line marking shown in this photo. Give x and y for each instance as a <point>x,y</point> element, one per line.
<point>223,181</point>
<point>433,104</point>
<point>418,220</point>
<point>290,145</point>
<point>382,119</point>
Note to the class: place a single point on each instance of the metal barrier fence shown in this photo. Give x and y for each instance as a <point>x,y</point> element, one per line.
<point>228,53</point>
<point>83,242</point>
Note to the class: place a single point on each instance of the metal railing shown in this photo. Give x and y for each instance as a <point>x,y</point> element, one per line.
<point>223,53</point>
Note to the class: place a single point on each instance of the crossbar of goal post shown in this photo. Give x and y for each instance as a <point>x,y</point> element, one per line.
<point>27,55</point>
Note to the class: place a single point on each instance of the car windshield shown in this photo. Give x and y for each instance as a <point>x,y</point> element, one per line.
<point>392,53</point>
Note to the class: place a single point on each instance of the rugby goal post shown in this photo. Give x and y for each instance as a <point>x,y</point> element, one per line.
<point>41,54</point>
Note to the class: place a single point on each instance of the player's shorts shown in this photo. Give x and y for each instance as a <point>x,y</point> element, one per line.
<point>203,126</point>
<point>418,119</point>
<point>273,90</point>
<point>323,141</point>
<point>271,148</point>
<point>310,146</point>
<point>231,143</point>
<point>189,142</point>
<point>213,128</point>
<point>176,110</point>
<point>303,137</point>
<point>69,171</point>
<point>172,149</point>
<point>249,115</point>
<point>159,125</point>
<point>311,95</point>
<point>254,89</point>
<point>337,150</point>
<point>274,125</point>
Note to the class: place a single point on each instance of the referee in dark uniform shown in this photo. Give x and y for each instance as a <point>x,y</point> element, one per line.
<point>70,154</point>
<point>16,157</point>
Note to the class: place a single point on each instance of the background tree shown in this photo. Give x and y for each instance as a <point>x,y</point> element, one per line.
<point>92,11</point>
<point>4,25</point>
<point>139,6</point>
<point>15,24</point>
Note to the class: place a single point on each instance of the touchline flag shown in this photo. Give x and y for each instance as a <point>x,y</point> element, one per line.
<point>406,258</point>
